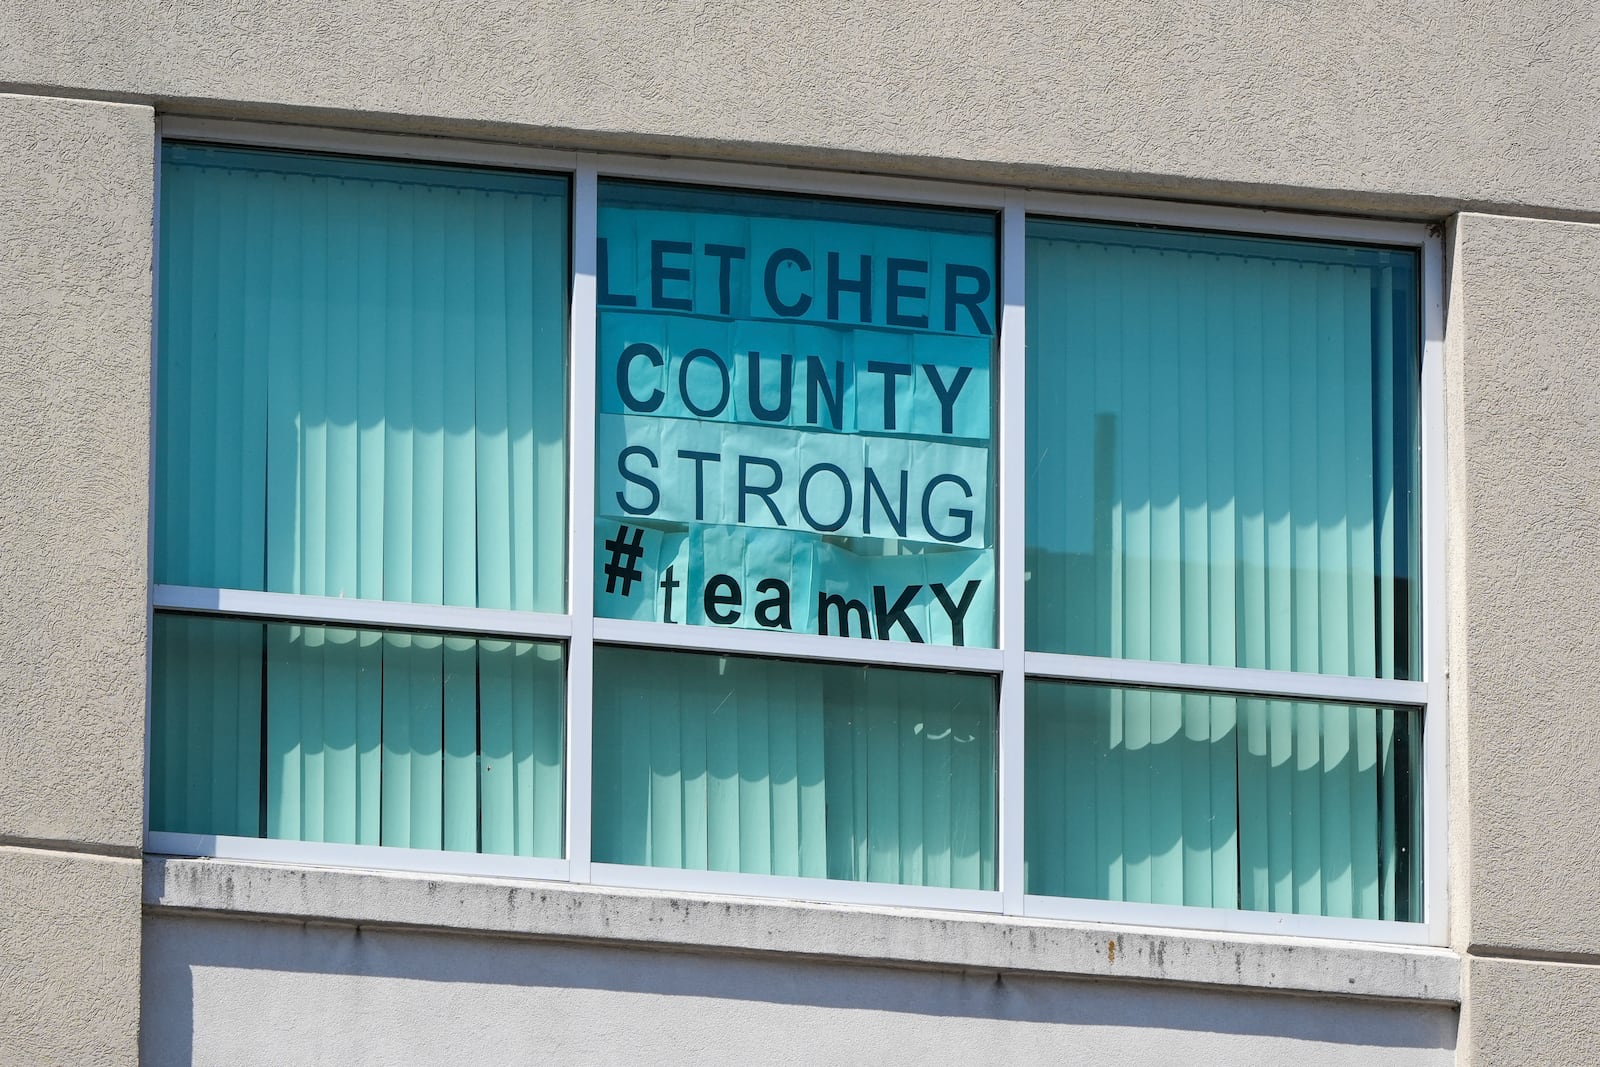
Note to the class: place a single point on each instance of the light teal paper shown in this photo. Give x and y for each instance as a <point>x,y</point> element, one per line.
<point>795,583</point>
<point>678,470</point>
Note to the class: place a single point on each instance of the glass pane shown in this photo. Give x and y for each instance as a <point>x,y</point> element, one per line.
<point>1218,801</point>
<point>795,419</point>
<point>1223,450</point>
<point>313,733</point>
<point>361,379</point>
<point>823,771</point>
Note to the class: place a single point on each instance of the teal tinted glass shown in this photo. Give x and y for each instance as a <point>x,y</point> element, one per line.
<point>1220,801</point>
<point>762,767</point>
<point>795,414</point>
<point>314,733</point>
<point>1222,450</point>
<point>361,379</point>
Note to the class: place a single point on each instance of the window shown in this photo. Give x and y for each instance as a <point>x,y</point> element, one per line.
<point>724,529</point>
<point>361,396</point>
<point>1223,460</point>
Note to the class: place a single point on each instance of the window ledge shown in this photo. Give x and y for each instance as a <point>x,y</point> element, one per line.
<point>881,936</point>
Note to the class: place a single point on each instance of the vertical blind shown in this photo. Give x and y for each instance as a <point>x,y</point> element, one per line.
<point>1223,458</point>
<point>309,733</point>
<point>360,393</point>
<point>1219,801</point>
<point>767,767</point>
<point>362,384</point>
<point>1223,447</point>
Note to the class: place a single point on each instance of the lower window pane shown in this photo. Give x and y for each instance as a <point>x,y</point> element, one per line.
<point>1219,801</point>
<point>314,733</point>
<point>763,767</point>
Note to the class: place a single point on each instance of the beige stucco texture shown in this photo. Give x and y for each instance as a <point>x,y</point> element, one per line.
<point>1361,107</point>
<point>76,198</point>
<point>69,958</point>
<point>1524,370</point>
<point>1531,1014</point>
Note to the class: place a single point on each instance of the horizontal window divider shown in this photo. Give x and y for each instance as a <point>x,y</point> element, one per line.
<point>355,857</point>
<point>348,611</point>
<point>793,646</point>
<point>810,890</point>
<point>1244,681</point>
<point>1225,921</point>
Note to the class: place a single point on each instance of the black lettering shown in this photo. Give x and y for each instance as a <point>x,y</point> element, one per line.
<point>629,400</point>
<point>763,491</point>
<point>898,289</point>
<point>770,282</point>
<point>603,268</point>
<point>725,254</point>
<point>896,522</point>
<point>722,591</point>
<point>700,461</point>
<point>683,383</point>
<point>669,583</point>
<point>833,395</point>
<point>660,274</point>
<point>973,301</point>
<point>964,514</point>
<point>861,286</point>
<point>947,393</point>
<point>844,485</point>
<point>845,609</point>
<point>773,612</point>
<point>890,372</point>
<point>887,616</point>
<point>956,611</point>
<point>638,479</point>
<point>785,389</point>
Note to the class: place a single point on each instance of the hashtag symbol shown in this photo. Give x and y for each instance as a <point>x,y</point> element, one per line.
<point>624,562</point>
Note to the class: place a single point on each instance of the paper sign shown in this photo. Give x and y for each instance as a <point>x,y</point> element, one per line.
<point>795,416</point>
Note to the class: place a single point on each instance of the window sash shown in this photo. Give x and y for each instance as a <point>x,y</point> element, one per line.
<point>1010,663</point>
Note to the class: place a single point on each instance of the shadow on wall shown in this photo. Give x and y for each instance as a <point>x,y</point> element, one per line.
<point>248,991</point>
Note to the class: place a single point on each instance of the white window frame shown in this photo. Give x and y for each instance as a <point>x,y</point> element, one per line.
<point>1009,664</point>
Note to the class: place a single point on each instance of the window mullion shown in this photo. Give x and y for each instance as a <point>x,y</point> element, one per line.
<point>580,511</point>
<point>1012,539</point>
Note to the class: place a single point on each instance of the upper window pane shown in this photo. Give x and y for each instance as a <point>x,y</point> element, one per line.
<point>361,379</point>
<point>1222,450</point>
<point>795,415</point>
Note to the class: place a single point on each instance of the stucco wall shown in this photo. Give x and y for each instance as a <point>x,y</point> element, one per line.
<point>1366,107</point>
<point>76,187</point>
<point>1524,369</point>
<point>1420,109</point>
<point>69,957</point>
<point>74,466</point>
<point>240,992</point>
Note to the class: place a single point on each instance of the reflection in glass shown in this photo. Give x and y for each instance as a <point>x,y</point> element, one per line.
<point>817,770</point>
<point>1222,450</point>
<point>316,733</point>
<point>1219,801</point>
<point>361,379</point>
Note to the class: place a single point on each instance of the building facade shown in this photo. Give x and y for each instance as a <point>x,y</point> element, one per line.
<point>1216,683</point>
